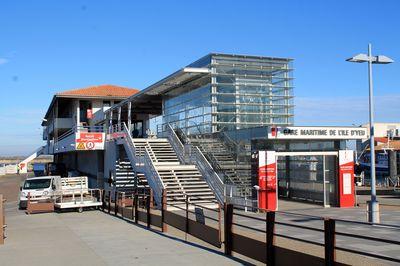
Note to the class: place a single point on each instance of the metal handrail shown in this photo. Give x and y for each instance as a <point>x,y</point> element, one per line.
<point>211,177</point>
<point>176,143</point>
<point>75,129</point>
<point>154,179</point>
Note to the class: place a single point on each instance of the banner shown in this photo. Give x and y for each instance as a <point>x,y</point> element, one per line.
<point>267,180</point>
<point>346,178</point>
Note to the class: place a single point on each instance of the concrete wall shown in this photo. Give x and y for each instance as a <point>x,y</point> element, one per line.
<point>110,157</point>
<point>90,163</point>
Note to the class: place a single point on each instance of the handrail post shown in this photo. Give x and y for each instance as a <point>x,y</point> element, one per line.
<point>228,217</point>
<point>136,208</point>
<point>115,203</point>
<point>329,232</point>
<point>163,210</point>
<point>102,199</point>
<point>109,201</point>
<point>28,204</point>
<point>2,220</point>
<point>270,237</point>
<point>151,198</point>
<point>219,223</point>
<point>148,202</point>
<point>187,217</point>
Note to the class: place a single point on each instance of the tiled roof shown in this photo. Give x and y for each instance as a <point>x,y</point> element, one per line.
<point>100,91</point>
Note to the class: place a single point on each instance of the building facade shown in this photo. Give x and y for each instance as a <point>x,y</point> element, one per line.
<point>238,92</point>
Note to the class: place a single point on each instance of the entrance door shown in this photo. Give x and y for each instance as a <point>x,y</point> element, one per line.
<point>308,176</point>
<point>330,180</point>
<point>137,129</point>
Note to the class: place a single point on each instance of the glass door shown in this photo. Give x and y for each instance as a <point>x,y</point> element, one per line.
<point>330,179</point>
<point>137,129</point>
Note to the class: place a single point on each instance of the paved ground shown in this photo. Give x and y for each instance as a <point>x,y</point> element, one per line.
<point>97,238</point>
<point>91,238</point>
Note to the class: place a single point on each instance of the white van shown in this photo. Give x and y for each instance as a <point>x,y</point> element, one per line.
<point>40,188</point>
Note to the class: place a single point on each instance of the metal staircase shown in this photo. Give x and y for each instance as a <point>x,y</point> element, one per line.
<point>157,159</point>
<point>235,172</point>
<point>125,178</point>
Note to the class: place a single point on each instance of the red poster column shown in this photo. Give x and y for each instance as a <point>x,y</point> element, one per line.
<point>267,180</point>
<point>346,178</point>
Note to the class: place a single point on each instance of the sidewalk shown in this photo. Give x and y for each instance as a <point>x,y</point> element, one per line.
<point>93,238</point>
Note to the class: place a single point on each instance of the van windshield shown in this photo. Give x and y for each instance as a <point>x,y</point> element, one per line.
<point>37,183</point>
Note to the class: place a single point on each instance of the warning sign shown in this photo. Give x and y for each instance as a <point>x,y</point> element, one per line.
<point>81,146</point>
<point>89,141</point>
<point>90,145</point>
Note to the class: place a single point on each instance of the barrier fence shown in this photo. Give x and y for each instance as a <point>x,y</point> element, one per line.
<point>2,220</point>
<point>253,237</point>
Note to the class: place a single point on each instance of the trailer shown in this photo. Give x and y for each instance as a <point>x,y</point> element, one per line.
<point>74,193</point>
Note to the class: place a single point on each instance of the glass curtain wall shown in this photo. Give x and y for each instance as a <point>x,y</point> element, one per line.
<point>250,91</point>
<point>241,92</point>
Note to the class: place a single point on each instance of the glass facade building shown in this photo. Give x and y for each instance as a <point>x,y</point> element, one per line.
<point>240,92</point>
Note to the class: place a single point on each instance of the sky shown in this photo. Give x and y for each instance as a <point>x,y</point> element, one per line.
<point>51,46</point>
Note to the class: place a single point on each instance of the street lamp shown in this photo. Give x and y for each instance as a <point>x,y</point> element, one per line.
<point>373,205</point>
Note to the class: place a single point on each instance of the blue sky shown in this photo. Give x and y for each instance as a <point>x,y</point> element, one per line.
<point>50,46</point>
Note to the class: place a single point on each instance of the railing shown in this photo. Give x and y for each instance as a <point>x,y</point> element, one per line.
<point>209,168</point>
<point>131,146</point>
<point>176,143</point>
<point>206,170</point>
<point>318,237</point>
<point>153,178</point>
<point>75,129</point>
<point>305,239</point>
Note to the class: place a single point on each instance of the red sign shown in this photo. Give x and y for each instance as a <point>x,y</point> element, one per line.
<point>90,145</point>
<point>346,178</point>
<point>89,113</point>
<point>267,196</point>
<point>90,137</point>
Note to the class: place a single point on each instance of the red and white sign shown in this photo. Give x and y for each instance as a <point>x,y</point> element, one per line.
<point>89,141</point>
<point>267,180</point>
<point>346,178</point>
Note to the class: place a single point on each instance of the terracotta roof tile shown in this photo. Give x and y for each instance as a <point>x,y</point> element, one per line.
<point>100,91</point>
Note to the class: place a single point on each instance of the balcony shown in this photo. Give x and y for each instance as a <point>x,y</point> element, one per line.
<point>58,123</point>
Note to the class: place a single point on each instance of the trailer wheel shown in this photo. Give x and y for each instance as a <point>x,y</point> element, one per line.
<point>80,209</point>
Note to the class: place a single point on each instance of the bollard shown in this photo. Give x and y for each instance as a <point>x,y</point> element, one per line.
<point>329,233</point>
<point>270,241</point>
<point>228,216</point>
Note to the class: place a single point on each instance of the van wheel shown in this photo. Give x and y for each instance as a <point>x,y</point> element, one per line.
<point>80,210</point>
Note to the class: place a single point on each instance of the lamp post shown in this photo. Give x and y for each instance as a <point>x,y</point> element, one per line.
<point>373,205</point>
